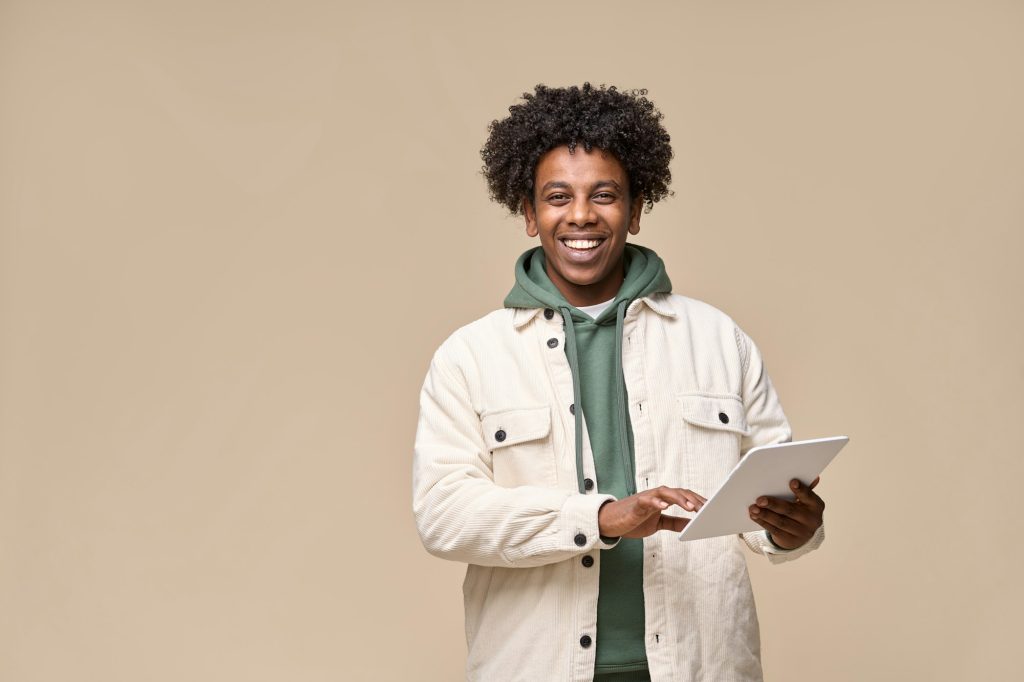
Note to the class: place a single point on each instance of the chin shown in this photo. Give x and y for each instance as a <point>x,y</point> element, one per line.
<point>581,279</point>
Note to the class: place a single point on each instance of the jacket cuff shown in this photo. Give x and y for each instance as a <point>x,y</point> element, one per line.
<point>580,527</point>
<point>778,555</point>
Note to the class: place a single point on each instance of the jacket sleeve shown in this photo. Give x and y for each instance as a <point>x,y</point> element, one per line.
<point>768,425</point>
<point>462,515</point>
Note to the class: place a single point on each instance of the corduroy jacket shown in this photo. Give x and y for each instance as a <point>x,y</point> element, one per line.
<point>495,486</point>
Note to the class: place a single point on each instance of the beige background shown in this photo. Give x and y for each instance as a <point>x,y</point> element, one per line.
<point>233,233</point>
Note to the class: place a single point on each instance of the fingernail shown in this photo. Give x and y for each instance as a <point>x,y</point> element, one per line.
<point>755,511</point>
<point>762,502</point>
<point>794,484</point>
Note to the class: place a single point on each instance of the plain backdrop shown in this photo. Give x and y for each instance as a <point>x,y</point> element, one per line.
<point>232,234</point>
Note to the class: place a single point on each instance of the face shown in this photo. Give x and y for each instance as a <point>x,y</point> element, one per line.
<point>582,211</point>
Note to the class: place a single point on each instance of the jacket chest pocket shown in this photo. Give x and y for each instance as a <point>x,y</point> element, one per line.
<point>713,425</point>
<point>522,452</point>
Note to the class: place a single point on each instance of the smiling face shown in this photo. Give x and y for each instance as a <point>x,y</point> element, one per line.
<point>582,211</point>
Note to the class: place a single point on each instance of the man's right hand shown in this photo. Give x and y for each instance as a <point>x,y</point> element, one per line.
<point>638,516</point>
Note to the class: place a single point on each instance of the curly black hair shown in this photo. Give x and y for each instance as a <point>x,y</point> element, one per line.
<point>623,122</point>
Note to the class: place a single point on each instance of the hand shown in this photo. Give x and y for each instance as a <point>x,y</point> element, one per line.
<point>791,524</point>
<point>638,516</point>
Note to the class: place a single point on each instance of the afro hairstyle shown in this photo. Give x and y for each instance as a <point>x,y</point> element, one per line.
<point>623,122</point>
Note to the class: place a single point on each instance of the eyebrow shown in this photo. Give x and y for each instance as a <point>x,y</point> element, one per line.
<point>559,184</point>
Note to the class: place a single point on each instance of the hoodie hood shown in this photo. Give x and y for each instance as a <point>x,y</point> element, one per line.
<point>645,275</point>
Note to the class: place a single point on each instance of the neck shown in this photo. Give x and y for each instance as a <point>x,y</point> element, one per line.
<point>589,294</point>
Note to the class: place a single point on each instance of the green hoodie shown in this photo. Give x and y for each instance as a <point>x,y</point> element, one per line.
<point>594,350</point>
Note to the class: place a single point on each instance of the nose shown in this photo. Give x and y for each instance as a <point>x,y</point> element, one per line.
<point>581,212</point>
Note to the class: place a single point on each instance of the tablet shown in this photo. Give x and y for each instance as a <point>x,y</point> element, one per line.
<point>764,470</point>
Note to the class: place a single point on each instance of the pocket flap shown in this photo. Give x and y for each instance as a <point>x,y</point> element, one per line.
<point>509,427</point>
<point>714,411</point>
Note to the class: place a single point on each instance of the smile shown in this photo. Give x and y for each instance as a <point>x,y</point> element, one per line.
<point>582,245</point>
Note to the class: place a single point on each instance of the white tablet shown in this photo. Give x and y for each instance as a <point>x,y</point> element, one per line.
<point>765,470</point>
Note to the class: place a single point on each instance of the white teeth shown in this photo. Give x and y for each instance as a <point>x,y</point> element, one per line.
<point>582,243</point>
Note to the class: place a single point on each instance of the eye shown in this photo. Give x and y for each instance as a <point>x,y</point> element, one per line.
<point>604,196</point>
<point>558,197</point>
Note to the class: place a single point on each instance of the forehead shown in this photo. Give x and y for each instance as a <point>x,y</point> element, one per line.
<point>578,167</point>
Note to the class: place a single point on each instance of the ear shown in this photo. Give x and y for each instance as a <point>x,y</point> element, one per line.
<point>531,217</point>
<point>635,211</point>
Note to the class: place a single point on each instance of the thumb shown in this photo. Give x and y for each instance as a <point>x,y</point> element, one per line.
<point>673,523</point>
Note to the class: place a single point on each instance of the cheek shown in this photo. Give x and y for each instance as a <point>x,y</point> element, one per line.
<point>546,226</point>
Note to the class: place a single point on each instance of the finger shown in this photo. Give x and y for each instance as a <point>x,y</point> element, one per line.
<point>787,524</point>
<point>696,495</point>
<point>801,513</point>
<point>697,500</point>
<point>663,500</point>
<point>806,496</point>
<point>779,535</point>
<point>781,538</point>
<point>649,504</point>
<point>686,499</point>
<point>662,497</point>
<point>673,523</point>
<point>815,482</point>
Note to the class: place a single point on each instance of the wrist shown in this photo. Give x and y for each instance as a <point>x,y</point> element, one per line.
<point>610,539</point>
<point>778,546</point>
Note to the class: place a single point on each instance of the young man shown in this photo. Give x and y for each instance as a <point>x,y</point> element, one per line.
<point>559,434</point>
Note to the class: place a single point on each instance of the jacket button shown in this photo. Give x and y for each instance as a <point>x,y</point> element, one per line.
<point>723,417</point>
<point>572,409</point>
<point>552,343</point>
<point>585,641</point>
<point>580,539</point>
<point>548,313</point>
<point>588,484</point>
<point>499,435</point>
<point>587,561</point>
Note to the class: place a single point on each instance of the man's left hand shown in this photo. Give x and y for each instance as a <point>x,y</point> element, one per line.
<point>790,524</point>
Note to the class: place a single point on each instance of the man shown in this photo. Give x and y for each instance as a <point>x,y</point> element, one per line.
<point>558,435</point>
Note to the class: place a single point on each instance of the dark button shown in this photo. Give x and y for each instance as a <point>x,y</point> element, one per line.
<point>552,343</point>
<point>499,435</point>
<point>587,561</point>
<point>580,539</point>
<point>588,484</point>
<point>572,409</point>
<point>585,641</point>
<point>548,313</point>
<point>723,417</point>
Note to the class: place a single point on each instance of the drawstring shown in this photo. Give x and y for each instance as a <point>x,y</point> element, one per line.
<point>620,397</point>
<point>574,366</point>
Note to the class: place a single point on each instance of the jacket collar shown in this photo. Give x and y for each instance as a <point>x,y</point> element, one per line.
<point>520,316</point>
<point>656,302</point>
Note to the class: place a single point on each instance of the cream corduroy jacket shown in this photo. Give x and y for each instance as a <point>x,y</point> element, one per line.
<point>495,486</point>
